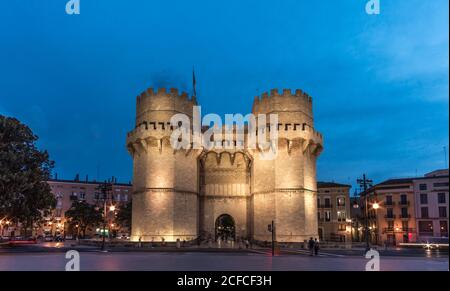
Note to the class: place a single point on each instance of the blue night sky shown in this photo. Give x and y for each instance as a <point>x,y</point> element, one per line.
<point>379,83</point>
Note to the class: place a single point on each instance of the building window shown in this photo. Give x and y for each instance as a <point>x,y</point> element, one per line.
<point>82,195</point>
<point>425,228</point>
<point>404,212</point>
<point>405,225</point>
<point>125,197</point>
<point>389,213</point>
<point>342,227</point>
<point>441,198</point>
<point>423,199</point>
<point>423,187</point>
<point>390,225</point>
<point>424,212</point>
<point>327,215</point>
<point>318,202</point>
<point>341,215</point>
<point>444,228</point>
<point>340,201</point>
<point>389,200</point>
<point>327,203</point>
<point>442,211</point>
<point>403,199</point>
<point>440,185</point>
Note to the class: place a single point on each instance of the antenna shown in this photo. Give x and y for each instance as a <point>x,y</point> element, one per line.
<point>445,157</point>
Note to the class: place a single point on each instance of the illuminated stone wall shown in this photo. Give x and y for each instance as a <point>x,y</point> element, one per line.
<point>179,194</point>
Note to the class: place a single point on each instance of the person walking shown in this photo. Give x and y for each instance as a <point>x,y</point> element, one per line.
<point>316,247</point>
<point>311,246</point>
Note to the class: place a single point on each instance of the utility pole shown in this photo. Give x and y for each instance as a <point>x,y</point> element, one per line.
<point>105,188</point>
<point>365,183</point>
<point>271,228</point>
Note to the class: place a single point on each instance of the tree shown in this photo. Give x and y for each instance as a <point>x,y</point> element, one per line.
<point>25,196</point>
<point>84,215</point>
<point>124,216</point>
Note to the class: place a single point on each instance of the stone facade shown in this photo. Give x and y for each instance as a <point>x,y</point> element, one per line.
<point>181,194</point>
<point>333,203</point>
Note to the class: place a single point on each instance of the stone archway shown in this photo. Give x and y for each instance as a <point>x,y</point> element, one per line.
<point>225,228</point>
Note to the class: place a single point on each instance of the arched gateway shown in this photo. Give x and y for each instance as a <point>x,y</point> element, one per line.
<point>225,227</point>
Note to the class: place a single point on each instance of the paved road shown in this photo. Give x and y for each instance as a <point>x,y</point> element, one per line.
<point>198,261</point>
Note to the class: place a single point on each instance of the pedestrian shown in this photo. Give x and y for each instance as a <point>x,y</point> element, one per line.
<point>311,246</point>
<point>316,247</point>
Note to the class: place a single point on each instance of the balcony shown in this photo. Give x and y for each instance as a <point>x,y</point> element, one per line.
<point>390,216</point>
<point>398,230</point>
<point>406,216</point>
<point>73,197</point>
<point>389,203</point>
<point>325,206</point>
<point>404,203</point>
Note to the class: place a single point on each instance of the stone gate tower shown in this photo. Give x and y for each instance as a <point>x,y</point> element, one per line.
<point>187,194</point>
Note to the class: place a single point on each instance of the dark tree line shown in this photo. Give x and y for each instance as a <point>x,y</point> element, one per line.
<point>25,196</point>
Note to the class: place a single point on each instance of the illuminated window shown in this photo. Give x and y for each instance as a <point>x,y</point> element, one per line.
<point>340,201</point>
<point>327,215</point>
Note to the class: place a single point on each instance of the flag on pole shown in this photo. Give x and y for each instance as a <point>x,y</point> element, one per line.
<point>193,81</point>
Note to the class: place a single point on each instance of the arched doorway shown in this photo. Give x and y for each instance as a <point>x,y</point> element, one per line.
<point>225,227</point>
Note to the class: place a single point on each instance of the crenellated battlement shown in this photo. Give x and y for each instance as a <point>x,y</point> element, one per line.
<point>283,101</point>
<point>162,104</point>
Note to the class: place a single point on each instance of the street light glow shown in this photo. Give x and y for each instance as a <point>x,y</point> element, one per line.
<point>112,208</point>
<point>376,206</point>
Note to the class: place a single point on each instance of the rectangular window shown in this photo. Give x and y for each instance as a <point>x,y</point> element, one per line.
<point>424,212</point>
<point>318,202</point>
<point>404,212</point>
<point>82,195</point>
<point>342,227</point>
<point>327,215</point>
<point>441,198</point>
<point>327,203</point>
<point>403,199</point>
<point>423,187</point>
<point>389,213</point>
<point>423,199</point>
<point>125,197</point>
<point>426,227</point>
<point>390,225</point>
<point>340,201</point>
<point>389,200</point>
<point>442,211</point>
<point>444,228</point>
<point>341,215</point>
<point>440,185</point>
<point>405,225</point>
